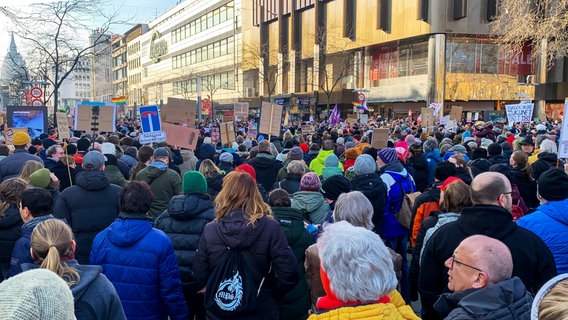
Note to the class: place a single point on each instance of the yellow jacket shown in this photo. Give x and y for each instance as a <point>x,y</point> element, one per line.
<point>396,309</point>
<point>534,156</point>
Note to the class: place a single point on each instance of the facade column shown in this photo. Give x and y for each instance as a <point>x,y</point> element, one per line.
<point>437,70</point>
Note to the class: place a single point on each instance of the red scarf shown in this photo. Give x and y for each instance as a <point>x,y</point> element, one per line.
<point>330,301</point>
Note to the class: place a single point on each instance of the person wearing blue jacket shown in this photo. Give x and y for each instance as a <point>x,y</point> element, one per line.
<point>432,155</point>
<point>139,260</point>
<point>550,220</point>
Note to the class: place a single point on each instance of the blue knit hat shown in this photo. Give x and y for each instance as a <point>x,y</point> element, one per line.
<point>388,155</point>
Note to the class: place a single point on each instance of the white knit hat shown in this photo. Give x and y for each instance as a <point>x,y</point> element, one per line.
<point>36,294</point>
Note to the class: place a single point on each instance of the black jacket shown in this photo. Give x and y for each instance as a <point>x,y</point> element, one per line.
<point>183,222</point>
<point>266,168</point>
<point>214,185</point>
<point>464,174</point>
<point>498,159</point>
<point>479,165</point>
<point>545,161</point>
<point>420,175</point>
<point>10,231</point>
<point>373,187</point>
<point>291,183</point>
<point>526,186</point>
<point>267,244</point>
<point>88,207</point>
<point>532,260</point>
<point>62,172</point>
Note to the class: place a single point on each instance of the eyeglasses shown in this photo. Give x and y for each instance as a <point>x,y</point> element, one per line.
<point>510,192</point>
<point>463,264</point>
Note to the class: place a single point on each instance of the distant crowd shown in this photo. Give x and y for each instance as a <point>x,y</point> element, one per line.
<point>316,224</point>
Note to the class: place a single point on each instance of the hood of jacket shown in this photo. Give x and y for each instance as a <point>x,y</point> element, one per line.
<point>548,157</point>
<point>556,210</point>
<point>394,167</point>
<point>311,201</point>
<point>187,207</point>
<point>484,301</point>
<point>331,171</point>
<point>263,161</point>
<point>492,221</point>
<point>156,169</point>
<point>434,155</point>
<point>322,155</point>
<point>87,274</point>
<point>92,180</point>
<point>29,226</point>
<point>128,229</point>
<point>206,151</point>
<point>418,162</point>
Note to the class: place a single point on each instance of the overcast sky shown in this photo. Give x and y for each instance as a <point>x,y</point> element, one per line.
<point>137,11</point>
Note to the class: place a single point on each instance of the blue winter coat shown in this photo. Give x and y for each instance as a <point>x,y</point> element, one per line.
<point>550,223</point>
<point>433,158</point>
<point>140,262</point>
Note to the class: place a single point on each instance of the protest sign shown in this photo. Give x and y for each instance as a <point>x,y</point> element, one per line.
<point>380,138</point>
<point>469,117</point>
<point>10,132</point>
<point>563,145</point>
<point>227,133</point>
<point>308,129</point>
<point>180,111</point>
<point>519,112</point>
<point>63,126</point>
<point>444,120</point>
<point>364,118</point>
<point>427,117</point>
<point>84,116</point>
<point>252,130</point>
<point>456,113</point>
<point>352,118</point>
<point>241,111</point>
<point>183,137</point>
<point>270,119</point>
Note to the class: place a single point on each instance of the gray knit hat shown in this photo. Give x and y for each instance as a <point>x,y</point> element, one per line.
<point>36,294</point>
<point>364,164</point>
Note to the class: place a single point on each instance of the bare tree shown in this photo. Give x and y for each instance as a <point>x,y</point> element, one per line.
<point>259,57</point>
<point>542,24</point>
<point>56,34</point>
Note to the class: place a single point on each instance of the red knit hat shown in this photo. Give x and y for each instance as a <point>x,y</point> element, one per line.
<point>304,146</point>
<point>248,169</point>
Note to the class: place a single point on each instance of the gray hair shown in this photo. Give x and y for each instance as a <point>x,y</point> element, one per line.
<point>297,167</point>
<point>273,150</point>
<point>52,150</point>
<point>354,208</point>
<point>357,263</point>
<point>539,139</point>
<point>429,145</point>
<point>549,146</point>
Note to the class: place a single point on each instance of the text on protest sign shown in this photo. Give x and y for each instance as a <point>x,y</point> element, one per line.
<point>519,112</point>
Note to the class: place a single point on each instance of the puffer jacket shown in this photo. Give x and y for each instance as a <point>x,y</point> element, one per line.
<point>550,223</point>
<point>508,299</point>
<point>214,185</point>
<point>373,187</point>
<point>432,158</point>
<point>88,208</point>
<point>296,303</point>
<point>318,163</point>
<point>267,244</point>
<point>141,264</point>
<point>395,308</point>
<point>183,222</point>
<point>10,231</point>
<point>266,168</point>
<point>395,177</point>
<point>115,176</point>
<point>12,164</point>
<point>312,204</point>
<point>164,182</point>
<point>94,295</point>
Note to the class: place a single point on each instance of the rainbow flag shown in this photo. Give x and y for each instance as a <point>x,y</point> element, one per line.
<point>361,105</point>
<point>119,100</point>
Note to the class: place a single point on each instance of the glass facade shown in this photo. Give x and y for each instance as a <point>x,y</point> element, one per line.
<point>394,61</point>
<point>214,82</point>
<point>211,51</point>
<point>204,22</point>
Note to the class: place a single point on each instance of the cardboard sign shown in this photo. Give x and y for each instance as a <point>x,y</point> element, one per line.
<point>228,115</point>
<point>84,117</point>
<point>352,118</point>
<point>270,119</point>
<point>2,118</point>
<point>308,129</point>
<point>228,133</point>
<point>183,137</point>
<point>380,138</point>
<point>10,132</point>
<point>241,111</point>
<point>179,111</point>
<point>519,112</point>
<point>63,125</point>
<point>427,117</point>
<point>456,113</point>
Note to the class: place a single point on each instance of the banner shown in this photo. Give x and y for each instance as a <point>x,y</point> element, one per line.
<point>519,112</point>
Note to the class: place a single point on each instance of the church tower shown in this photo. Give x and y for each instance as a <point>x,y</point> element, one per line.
<point>13,65</point>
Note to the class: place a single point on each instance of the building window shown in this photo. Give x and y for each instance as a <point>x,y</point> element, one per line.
<point>384,15</point>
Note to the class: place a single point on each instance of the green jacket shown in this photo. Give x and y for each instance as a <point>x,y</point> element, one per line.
<point>294,305</point>
<point>115,176</point>
<point>311,204</point>
<point>165,184</point>
<point>318,163</point>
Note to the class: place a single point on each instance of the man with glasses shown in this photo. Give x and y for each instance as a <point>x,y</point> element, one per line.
<point>65,174</point>
<point>480,279</point>
<point>490,215</point>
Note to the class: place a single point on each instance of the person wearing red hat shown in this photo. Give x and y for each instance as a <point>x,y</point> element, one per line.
<point>250,170</point>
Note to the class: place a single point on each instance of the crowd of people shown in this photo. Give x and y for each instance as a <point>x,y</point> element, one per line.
<point>312,222</point>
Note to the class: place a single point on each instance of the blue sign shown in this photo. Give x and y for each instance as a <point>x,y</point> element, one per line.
<point>150,119</point>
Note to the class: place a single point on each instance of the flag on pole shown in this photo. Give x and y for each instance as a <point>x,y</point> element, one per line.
<point>361,105</point>
<point>119,100</point>
<point>419,119</point>
<point>334,117</point>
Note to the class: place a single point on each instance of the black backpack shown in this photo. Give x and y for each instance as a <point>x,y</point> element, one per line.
<point>234,285</point>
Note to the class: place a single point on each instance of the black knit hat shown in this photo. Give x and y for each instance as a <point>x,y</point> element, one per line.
<point>553,185</point>
<point>334,186</point>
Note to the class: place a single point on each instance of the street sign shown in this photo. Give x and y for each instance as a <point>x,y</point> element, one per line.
<point>361,96</point>
<point>36,92</point>
<point>37,102</point>
<point>150,119</point>
<point>152,137</point>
